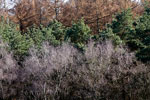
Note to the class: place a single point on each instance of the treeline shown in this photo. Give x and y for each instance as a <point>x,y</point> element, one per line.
<point>124,29</point>
<point>95,12</point>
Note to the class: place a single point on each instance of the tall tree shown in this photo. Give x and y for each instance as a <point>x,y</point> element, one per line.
<point>29,12</point>
<point>95,12</point>
<point>143,35</point>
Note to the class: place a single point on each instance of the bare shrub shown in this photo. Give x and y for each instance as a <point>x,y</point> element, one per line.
<point>102,72</point>
<point>105,73</point>
<point>8,71</point>
<point>39,65</point>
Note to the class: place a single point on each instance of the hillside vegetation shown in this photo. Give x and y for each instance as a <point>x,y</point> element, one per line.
<point>48,57</point>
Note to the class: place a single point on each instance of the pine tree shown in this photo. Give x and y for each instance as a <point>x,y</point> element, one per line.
<point>143,33</point>
<point>108,34</point>
<point>17,42</point>
<point>58,30</point>
<point>79,34</point>
<point>122,25</point>
<point>121,29</point>
<point>42,34</point>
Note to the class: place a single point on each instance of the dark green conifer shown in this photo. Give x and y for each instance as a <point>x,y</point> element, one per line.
<point>79,34</point>
<point>143,35</point>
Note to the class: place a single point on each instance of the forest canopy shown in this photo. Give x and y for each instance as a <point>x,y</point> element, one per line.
<point>77,21</point>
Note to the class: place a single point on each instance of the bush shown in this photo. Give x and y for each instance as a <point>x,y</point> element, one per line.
<point>63,73</point>
<point>136,37</point>
<point>122,25</point>
<point>79,34</point>
<point>121,31</point>
<point>108,34</point>
<point>102,73</point>
<point>17,42</point>
<point>36,35</point>
<point>58,30</point>
<point>8,72</point>
<point>20,43</point>
<point>39,35</point>
<point>143,36</point>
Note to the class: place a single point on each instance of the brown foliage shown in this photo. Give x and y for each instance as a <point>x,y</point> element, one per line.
<point>32,12</point>
<point>95,12</point>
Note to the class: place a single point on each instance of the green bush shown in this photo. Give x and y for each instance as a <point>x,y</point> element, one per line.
<point>39,35</point>
<point>17,42</point>
<point>121,30</point>
<point>48,36</point>
<point>36,35</point>
<point>78,34</point>
<point>143,54</point>
<point>122,25</point>
<point>143,35</point>
<point>108,34</point>
<point>57,29</point>
<point>20,43</point>
<point>135,34</point>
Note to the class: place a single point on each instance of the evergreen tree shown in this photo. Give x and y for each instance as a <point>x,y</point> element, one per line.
<point>58,30</point>
<point>121,30</point>
<point>17,42</point>
<point>79,34</point>
<point>122,25</point>
<point>108,34</point>
<point>39,35</point>
<point>143,35</point>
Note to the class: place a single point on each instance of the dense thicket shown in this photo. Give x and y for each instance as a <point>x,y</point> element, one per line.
<point>64,73</point>
<point>133,33</point>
